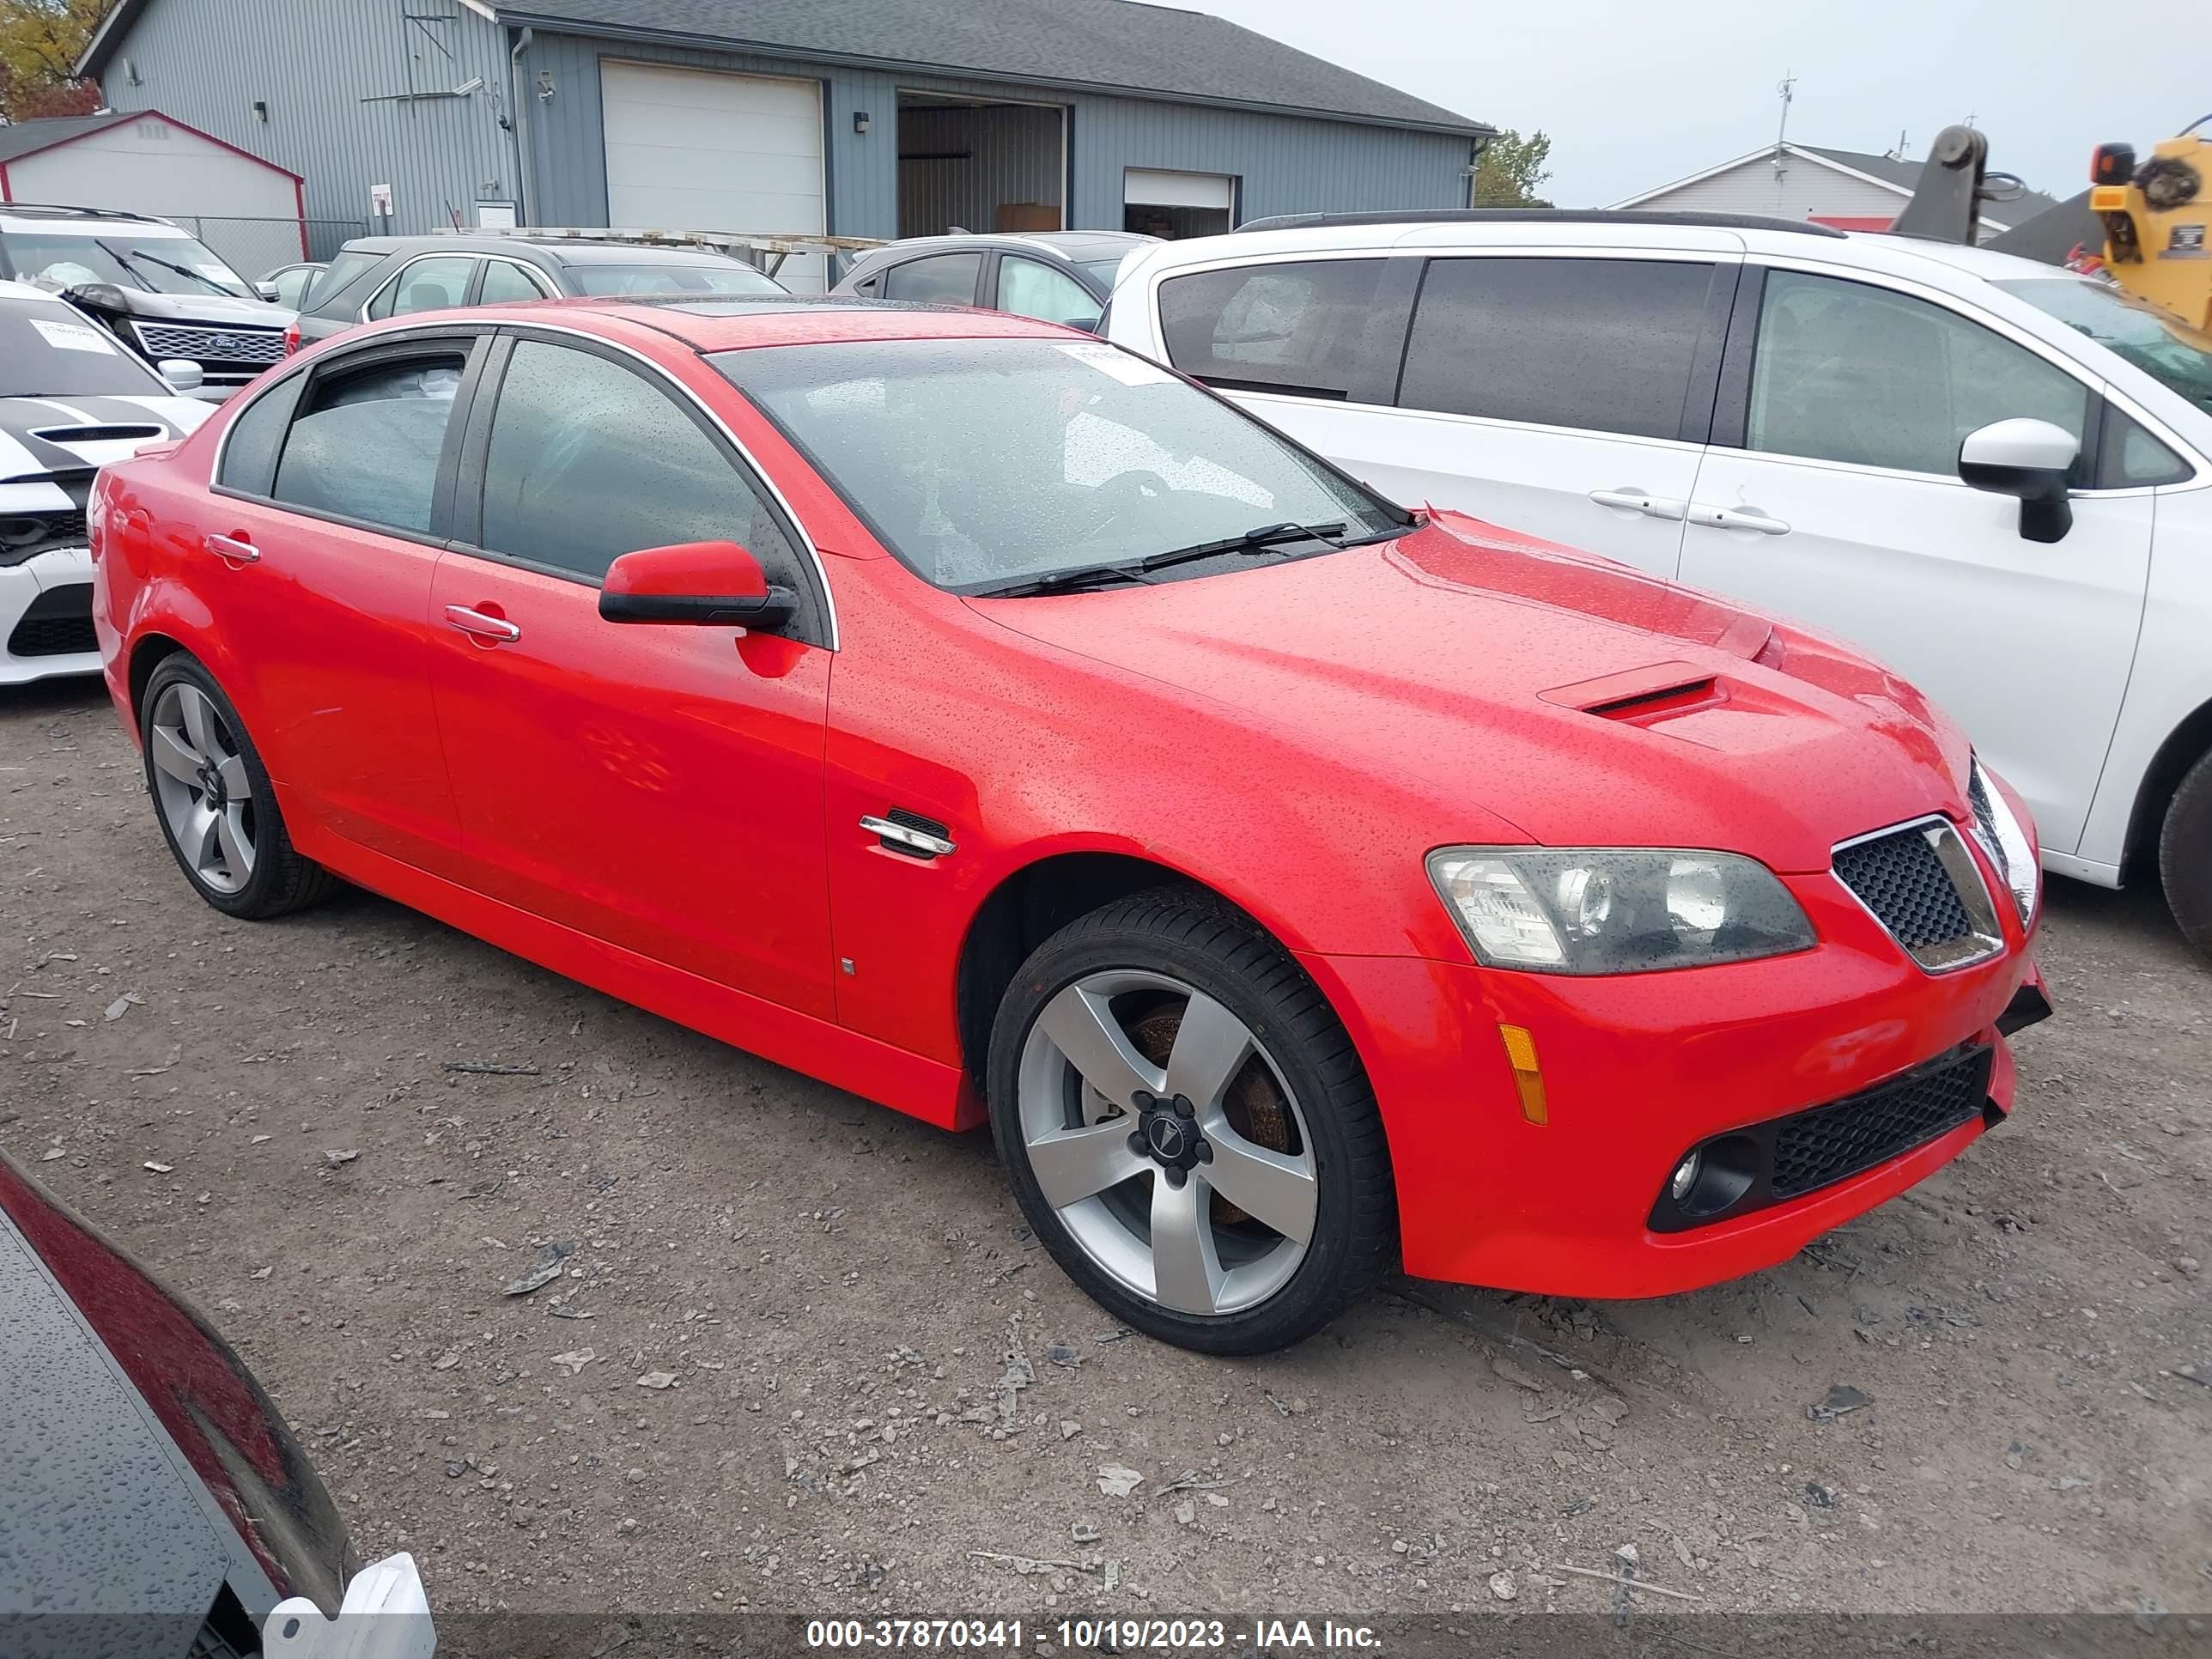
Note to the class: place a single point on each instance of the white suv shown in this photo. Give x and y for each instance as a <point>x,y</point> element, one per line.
<point>1783,412</point>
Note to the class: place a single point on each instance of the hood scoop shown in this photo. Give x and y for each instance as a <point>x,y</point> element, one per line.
<point>1642,694</point>
<point>98,435</point>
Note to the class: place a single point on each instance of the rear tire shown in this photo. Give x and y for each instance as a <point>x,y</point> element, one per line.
<point>2184,855</point>
<point>1223,1061</point>
<point>214,801</point>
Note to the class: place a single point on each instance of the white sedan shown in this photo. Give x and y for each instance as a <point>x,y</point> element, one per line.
<point>72,399</point>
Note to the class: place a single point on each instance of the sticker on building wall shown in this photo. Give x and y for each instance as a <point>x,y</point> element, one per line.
<point>379,200</point>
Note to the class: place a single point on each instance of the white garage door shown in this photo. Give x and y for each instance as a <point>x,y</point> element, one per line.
<point>696,149</point>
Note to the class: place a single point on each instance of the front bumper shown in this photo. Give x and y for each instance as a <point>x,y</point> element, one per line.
<point>46,608</point>
<point>1639,1069</point>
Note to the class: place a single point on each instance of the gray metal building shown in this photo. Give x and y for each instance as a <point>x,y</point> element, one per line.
<point>861,118</point>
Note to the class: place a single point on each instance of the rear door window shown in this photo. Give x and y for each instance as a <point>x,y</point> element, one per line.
<point>1599,345</point>
<point>1029,288</point>
<point>368,442</point>
<point>1313,328</point>
<point>507,284</point>
<point>427,285</point>
<point>946,279</point>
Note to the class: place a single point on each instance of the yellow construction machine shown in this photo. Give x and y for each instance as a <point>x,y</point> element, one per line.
<point>2155,216</point>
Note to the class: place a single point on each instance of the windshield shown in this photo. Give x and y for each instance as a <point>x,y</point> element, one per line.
<point>979,461</point>
<point>1102,270</point>
<point>49,351</point>
<point>2153,343</point>
<point>732,278</point>
<point>338,276</point>
<point>58,259</point>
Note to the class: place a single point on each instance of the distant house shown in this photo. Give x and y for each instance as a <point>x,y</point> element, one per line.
<point>1848,189</point>
<point>247,208</point>
<point>859,117</point>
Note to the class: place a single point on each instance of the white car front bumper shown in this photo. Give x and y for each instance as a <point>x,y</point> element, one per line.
<point>43,601</point>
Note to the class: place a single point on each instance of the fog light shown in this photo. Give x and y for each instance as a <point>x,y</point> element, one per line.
<point>1684,1178</point>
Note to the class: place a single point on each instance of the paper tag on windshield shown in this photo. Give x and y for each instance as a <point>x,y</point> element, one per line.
<point>72,337</point>
<point>1124,367</point>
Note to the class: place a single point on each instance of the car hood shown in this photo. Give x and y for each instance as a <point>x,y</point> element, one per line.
<point>224,310</point>
<point>44,435</point>
<point>1574,698</point>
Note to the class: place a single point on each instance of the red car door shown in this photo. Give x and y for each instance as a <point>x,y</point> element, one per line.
<point>327,523</point>
<point>658,786</point>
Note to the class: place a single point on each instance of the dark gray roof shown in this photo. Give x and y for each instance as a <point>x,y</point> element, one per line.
<point>1112,45</point>
<point>2051,236</point>
<point>29,137</point>
<point>1905,175</point>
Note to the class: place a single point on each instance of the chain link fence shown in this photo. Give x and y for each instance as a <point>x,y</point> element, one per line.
<point>251,247</point>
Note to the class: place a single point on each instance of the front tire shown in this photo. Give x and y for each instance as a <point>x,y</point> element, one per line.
<point>2184,855</point>
<point>214,801</point>
<point>1188,1127</point>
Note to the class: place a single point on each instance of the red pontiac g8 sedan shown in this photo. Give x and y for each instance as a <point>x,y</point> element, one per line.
<point>978,717</point>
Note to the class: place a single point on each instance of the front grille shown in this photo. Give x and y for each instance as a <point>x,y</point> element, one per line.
<point>1832,1143</point>
<point>30,534</point>
<point>259,347</point>
<point>57,624</point>
<point>1921,885</point>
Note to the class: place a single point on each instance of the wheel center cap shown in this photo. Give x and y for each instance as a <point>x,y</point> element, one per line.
<point>1167,1132</point>
<point>212,787</point>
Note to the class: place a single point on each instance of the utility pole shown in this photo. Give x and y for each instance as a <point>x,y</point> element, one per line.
<point>1780,163</point>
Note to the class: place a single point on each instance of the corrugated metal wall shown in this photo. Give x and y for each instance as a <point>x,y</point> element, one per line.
<point>1285,164</point>
<point>317,66</point>
<point>959,164</point>
<point>206,62</point>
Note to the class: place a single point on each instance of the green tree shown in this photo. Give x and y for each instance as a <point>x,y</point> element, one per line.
<point>40,43</point>
<point>1511,167</point>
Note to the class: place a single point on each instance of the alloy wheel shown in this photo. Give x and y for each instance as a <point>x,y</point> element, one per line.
<point>1165,1139</point>
<point>201,783</point>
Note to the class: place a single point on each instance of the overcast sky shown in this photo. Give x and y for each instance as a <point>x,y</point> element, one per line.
<point>1637,95</point>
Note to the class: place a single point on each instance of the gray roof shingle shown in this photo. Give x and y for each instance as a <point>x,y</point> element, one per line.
<point>29,137</point>
<point>1905,175</point>
<point>1116,45</point>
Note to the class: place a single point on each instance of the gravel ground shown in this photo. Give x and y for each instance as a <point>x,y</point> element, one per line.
<point>801,1355</point>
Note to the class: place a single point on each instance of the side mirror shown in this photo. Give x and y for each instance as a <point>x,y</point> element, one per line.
<point>707,584</point>
<point>267,291</point>
<point>182,373</point>
<point>1088,325</point>
<point>2028,460</point>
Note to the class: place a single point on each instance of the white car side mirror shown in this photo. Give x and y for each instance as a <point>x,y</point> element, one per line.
<point>183,373</point>
<point>2028,460</point>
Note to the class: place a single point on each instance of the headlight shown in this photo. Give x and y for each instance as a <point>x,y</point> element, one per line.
<point>1615,910</point>
<point>2004,838</point>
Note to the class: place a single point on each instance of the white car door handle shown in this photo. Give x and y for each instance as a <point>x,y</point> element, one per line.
<point>1737,518</point>
<point>1639,501</point>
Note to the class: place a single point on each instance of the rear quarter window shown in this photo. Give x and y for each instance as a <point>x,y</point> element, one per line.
<point>1311,329</point>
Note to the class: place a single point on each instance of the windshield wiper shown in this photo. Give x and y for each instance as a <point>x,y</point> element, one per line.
<point>133,256</point>
<point>1256,540</point>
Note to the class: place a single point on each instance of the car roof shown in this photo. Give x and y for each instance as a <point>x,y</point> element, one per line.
<point>556,250</point>
<point>1068,244</point>
<point>734,322</point>
<point>20,216</point>
<point>1723,233</point>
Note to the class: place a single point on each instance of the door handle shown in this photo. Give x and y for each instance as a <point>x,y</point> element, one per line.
<point>1639,501</point>
<point>906,835</point>
<point>235,548</point>
<point>476,623</point>
<point>1737,518</point>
